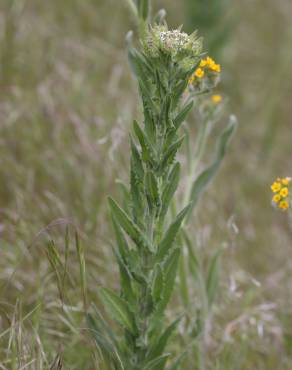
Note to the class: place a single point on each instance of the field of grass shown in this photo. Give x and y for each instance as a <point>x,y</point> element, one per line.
<point>67,102</point>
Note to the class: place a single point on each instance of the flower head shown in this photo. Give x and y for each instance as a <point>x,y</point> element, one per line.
<point>283,205</point>
<point>199,73</point>
<point>276,186</point>
<point>183,49</point>
<point>280,188</point>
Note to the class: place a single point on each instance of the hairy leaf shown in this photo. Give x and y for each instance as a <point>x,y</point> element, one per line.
<point>170,189</point>
<point>157,283</point>
<point>159,344</point>
<point>169,237</point>
<point>182,115</point>
<point>118,309</point>
<point>128,226</point>
<point>206,175</point>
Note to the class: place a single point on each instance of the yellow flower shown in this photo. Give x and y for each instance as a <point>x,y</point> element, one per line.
<point>286,181</point>
<point>216,67</point>
<point>203,63</point>
<point>283,205</point>
<point>210,62</point>
<point>276,187</point>
<point>199,73</point>
<point>276,198</point>
<point>284,192</point>
<point>216,98</point>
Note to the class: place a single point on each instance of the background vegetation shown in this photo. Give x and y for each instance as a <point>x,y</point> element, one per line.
<point>67,100</point>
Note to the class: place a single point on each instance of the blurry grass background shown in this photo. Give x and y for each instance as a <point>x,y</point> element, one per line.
<point>67,101</point>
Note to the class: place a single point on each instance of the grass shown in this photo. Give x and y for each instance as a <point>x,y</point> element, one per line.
<point>66,102</point>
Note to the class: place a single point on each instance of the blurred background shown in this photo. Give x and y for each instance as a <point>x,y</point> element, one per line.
<point>67,101</point>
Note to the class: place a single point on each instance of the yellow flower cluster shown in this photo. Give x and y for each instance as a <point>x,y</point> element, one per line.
<point>281,192</point>
<point>205,65</point>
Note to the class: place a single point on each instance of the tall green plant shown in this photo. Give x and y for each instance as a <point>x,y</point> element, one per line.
<point>170,71</point>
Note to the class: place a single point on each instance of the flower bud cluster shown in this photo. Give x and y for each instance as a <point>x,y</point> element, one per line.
<point>182,48</point>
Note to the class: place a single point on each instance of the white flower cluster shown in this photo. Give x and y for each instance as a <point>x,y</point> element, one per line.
<point>174,39</point>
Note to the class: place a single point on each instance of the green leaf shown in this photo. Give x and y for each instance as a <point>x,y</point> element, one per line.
<point>125,279</point>
<point>139,65</point>
<point>213,277</point>
<point>182,115</point>
<point>183,285</point>
<point>152,189</point>
<point>157,283</point>
<point>178,92</point>
<point>206,175</point>
<point>118,309</point>
<point>169,237</point>
<point>144,9</point>
<point>148,152</point>
<point>105,341</point>
<point>178,361</point>
<point>136,180</point>
<point>193,261</point>
<point>170,153</point>
<point>170,189</point>
<point>151,365</point>
<point>128,226</point>
<point>136,163</point>
<point>169,271</point>
<point>121,240</point>
<point>160,343</point>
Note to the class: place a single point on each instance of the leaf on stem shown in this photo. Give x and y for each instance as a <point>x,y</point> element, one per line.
<point>170,189</point>
<point>206,175</point>
<point>129,226</point>
<point>169,237</point>
<point>118,309</point>
<point>182,115</point>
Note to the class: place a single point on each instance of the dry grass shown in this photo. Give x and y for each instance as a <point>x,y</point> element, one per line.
<point>66,102</point>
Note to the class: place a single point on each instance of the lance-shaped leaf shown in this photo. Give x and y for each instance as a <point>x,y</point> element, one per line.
<point>144,9</point>
<point>170,153</point>
<point>152,189</point>
<point>182,115</point>
<point>178,361</point>
<point>118,309</point>
<point>148,152</point>
<point>104,339</point>
<point>157,283</point>
<point>147,96</point>
<point>125,279</point>
<point>213,277</point>
<point>206,175</point>
<point>136,180</point>
<point>170,189</point>
<point>129,226</point>
<point>160,343</point>
<point>178,92</point>
<point>169,271</point>
<point>139,65</point>
<point>121,240</point>
<point>136,163</point>
<point>152,365</point>
<point>169,237</point>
